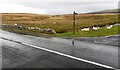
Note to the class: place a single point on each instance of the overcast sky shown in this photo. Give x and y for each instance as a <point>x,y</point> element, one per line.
<point>56,6</point>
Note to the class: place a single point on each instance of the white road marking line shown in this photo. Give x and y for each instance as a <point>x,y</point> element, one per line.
<point>69,56</point>
<point>76,58</point>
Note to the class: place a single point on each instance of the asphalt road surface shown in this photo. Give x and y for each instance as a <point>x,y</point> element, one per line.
<point>0,53</point>
<point>106,40</point>
<point>27,56</point>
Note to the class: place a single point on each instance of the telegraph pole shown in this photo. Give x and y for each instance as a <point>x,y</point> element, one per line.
<point>74,22</point>
<point>74,13</point>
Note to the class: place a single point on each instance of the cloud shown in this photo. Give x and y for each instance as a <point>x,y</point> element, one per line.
<point>56,7</point>
<point>16,8</point>
<point>59,0</point>
<point>69,7</point>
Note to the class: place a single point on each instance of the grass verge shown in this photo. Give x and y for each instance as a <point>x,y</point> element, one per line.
<point>92,33</point>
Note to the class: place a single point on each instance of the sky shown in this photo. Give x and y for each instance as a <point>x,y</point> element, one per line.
<point>56,6</point>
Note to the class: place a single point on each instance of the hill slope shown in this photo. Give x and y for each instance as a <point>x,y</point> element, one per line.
<point>62,24</point>
<point>107,11</point>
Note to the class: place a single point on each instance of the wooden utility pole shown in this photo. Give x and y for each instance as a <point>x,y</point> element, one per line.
<point>74,13</point>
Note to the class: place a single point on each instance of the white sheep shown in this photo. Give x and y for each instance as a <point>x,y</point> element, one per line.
<point>28,28</point>
<point>36,28</point>
<point>15,24</point>
<point>54,22</point>
<point>85,29</point>
<point>95,28</point>
<point>109,27</point>
<point>32,28</point>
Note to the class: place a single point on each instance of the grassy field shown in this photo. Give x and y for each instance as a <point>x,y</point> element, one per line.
<point>92,33</point>
<point>62,24</point>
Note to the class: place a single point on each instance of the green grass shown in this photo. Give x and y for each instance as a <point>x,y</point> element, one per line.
<point>92,33</point>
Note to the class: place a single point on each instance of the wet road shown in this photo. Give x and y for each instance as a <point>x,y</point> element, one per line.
<point>0,53</point>
<point>103,54</point>
<point>27,57</point>
<point>106,40</point>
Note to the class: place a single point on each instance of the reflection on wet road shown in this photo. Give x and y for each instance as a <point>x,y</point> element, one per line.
<point>93,52</point>
<point>107,40</point>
